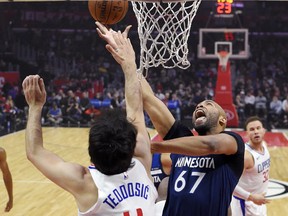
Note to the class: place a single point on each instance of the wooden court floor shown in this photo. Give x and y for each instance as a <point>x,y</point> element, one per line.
<point>34,195</point>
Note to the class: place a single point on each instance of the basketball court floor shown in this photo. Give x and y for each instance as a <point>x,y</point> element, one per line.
<point>35,195</point>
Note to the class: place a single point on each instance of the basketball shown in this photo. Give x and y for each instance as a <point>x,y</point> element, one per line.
<point>108,12</point>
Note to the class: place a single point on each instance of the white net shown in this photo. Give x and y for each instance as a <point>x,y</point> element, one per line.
<point>164,30</point>
<point>223,58</point>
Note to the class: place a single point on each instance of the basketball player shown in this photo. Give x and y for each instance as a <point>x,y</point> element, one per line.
<point>119,183</point>
<point>161,163</point>
<point>249,195</point>
<point>7,178</point>
<point>206,168</point>
<point>160,171</point>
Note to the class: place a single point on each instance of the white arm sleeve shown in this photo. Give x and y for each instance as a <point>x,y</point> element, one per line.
<point>241,193</point>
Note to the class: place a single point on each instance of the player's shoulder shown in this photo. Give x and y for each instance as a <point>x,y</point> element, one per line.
<point>177,130</point>
<point>238,141</point>
<point>235,135</point>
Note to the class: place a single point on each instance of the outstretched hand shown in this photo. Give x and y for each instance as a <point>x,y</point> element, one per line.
<point>34,90</point>
<point>119,45</point>
<point>107,34</point>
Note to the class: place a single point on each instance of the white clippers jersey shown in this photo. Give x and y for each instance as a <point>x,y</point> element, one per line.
<point>254,180</point>
<point>131,193</point>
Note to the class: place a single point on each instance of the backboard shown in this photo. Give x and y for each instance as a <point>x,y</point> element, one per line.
<point>213,40</point>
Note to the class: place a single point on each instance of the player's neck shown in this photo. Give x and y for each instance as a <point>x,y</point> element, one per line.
<point>257,147</point>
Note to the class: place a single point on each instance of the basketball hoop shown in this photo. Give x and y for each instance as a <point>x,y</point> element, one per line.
<point>164,28</point>
<point>223,59</point>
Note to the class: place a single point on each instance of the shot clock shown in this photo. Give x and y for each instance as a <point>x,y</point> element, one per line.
<point>224,7</point>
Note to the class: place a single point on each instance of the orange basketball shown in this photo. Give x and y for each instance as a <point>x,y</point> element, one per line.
<point>108,11</point>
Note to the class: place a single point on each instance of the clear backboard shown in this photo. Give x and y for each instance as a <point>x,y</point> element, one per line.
<point>214,40</point>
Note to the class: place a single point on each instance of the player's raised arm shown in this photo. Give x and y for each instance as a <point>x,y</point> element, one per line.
<point>120,47</point>
<point>158,112</point>
<point>50,164</point>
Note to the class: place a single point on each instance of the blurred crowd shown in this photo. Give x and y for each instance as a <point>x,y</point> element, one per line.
<point>82,78</point>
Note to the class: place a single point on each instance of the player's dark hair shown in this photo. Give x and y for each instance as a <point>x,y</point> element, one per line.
<point>112,140</point>
<point>251,119</point>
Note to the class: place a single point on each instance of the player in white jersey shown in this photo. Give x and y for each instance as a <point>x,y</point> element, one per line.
<point>119,147</point>
<point>249,195</point>
<point>119,193</point>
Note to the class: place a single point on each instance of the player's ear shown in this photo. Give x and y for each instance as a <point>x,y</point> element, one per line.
<point>222,121</point>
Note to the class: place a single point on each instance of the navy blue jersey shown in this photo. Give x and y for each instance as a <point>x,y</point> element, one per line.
<point>202,185</point>
<point>157,171</point>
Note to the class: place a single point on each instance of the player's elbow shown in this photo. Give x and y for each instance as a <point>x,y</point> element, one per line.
<point>30,155</point>
<point>212,146</point>
<point>221,144</point>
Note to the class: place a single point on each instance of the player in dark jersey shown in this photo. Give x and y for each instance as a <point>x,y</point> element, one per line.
<point>157,171</point>
<point>205,168</point>
<point>160,171</point>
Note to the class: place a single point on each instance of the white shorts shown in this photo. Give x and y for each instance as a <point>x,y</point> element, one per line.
<point>246,208</point>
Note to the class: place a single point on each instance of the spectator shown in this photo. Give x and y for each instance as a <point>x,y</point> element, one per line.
<point>240,106</point>
<point>115,100</point>
<point>174,106</point>
<point>261,105</point>
<point>249,103</point>
<point>285,106</point>
<point>2,118</point>
<point>10,111</point>
<point>84,101</point>
<point>54,115</point>
<point>62,99</point>
<point>159,94</point>
<point>71,99</point>
<point>74,113</point>
<point>274,112</point>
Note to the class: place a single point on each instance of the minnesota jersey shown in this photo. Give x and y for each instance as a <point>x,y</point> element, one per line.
<point>202,185</point>
<point>156,170</point>
<point>131,193</point>
<point>255,181</point>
